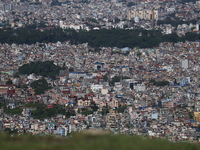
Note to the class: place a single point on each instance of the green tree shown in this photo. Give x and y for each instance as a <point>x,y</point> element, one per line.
<point>117,20</point>
<point>10,131</point>
<point>121,108</point>
<point>93,106</point>
<point>40,86</point>
<point>130,4</point>
<point>159,83</point>
<point>105,110</point>
<point>45,69</point>
<point>9,82</point>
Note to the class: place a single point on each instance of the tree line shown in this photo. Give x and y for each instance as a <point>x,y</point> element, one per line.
<point>95,38</point>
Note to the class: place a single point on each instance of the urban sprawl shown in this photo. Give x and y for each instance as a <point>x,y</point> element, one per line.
<point>152,92</point>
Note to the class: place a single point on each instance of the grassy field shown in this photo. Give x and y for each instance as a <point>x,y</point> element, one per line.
<point>84,141</point>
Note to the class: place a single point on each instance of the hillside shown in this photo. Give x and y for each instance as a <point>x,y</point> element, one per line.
<point>90,142</point>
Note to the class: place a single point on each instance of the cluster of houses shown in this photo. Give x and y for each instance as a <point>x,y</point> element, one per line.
<point>123,88</point>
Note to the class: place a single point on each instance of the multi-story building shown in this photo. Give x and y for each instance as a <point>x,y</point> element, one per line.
<point>197,116</point>
<point>198,25</point>
<point>8,7</point>
<point>143,14</point>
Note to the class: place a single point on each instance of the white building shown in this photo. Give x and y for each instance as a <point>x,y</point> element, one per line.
<point>96,87</point>
<point>185,63</point>
<point>198,25</point>
<point>72,26</point>
<point>140,87</point>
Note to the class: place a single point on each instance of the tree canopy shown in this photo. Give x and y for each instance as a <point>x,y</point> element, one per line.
<point>159,83</point>
<point>45,69</point>
<point>42,111</point>
<point>95,38</point>
<point>40,86</point>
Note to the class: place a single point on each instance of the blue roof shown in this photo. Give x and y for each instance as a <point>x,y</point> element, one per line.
<point>123,66</point>
<point>145,107</point>
<point>78,72</point>
<point>119,96</point>
<point>197,129</point>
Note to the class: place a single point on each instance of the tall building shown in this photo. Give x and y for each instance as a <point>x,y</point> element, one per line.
<point>143,14</point>
<point>8,7</point>
<point>1,7</point>
<point>185,63</point>
<point>198,25</point>
<point>197,116</point>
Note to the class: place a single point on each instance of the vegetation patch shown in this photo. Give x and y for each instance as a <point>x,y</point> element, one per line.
<point>83,141</point>
<point>45,69</point>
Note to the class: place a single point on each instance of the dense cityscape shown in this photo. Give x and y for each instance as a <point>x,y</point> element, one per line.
<point>58,88</point>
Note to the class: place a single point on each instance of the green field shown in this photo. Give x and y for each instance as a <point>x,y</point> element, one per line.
<point>90,142</point>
